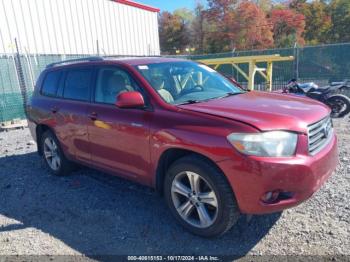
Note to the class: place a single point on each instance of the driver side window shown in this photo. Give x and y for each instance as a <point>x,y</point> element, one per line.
<point>110,83</point>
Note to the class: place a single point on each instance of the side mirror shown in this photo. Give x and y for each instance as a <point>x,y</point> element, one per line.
<point>130,100</point>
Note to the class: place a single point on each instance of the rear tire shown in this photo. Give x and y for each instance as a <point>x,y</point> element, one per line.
<point>340,105</point>
<point>53,155</point>
<point>200,197</point>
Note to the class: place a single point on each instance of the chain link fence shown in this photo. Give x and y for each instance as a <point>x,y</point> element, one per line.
<point>18,74</point>
<point>319,64</point>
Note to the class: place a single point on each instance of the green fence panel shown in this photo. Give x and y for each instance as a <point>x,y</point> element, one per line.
<point>11,101</point>
<point>320,64</point>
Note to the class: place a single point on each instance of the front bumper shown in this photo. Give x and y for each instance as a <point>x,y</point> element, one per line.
<point>302,175</point>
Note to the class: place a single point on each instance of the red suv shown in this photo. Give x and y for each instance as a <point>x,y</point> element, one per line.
<point>211,148</point>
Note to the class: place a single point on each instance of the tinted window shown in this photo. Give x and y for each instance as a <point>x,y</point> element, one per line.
<point>51,83</point>
<point>77,84</point>
<point>110,83</point>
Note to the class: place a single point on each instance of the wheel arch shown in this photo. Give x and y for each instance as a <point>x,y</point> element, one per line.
<point>169,156</point>
<point>39,131</point>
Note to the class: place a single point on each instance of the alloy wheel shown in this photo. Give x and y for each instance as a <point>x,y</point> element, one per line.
<point>194,199</point>
<point>51,154</point>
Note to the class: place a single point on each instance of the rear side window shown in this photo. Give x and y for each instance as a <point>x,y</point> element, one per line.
<point>77,84</point>
<point>51,83</point>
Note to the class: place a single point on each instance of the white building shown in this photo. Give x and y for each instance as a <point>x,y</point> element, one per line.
<point>107,27</point>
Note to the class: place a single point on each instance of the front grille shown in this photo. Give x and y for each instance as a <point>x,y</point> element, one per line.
<point>319,135</point>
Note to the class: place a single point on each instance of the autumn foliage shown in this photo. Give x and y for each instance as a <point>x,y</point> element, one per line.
<point>225,25</point>
<point>253,29</point>
<point>288,27</point>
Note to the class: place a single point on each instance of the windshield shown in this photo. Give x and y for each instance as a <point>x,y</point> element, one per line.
<point>187,82</point>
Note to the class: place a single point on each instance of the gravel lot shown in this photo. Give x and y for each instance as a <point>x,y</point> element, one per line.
<point>91,213</point>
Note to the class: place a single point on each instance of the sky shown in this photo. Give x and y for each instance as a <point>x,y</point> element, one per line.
<point>169,5</point>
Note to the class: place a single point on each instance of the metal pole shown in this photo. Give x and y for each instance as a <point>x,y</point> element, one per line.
<point>297,75</point>
<point>296,61</point>
<point>21,80</point>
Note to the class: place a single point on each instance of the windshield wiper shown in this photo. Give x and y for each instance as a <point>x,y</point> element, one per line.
<point>191,101</point>
<point>231,94</point>
<point>226,95</point>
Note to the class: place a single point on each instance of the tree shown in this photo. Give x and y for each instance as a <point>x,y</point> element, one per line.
<point>198,28</point>
<point>288,27</point>
<point>264,5</point>
<point>224,25</point>
<point>340,15</point>
<point>221,24</point>
<point>185,14</point>
<point>172,33</point>
<point>187,17</point>
<point>297,4</point>
<point>252,27</point>
<point>318,21</point>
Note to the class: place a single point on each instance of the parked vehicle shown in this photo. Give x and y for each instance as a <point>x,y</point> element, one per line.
<point>212,149</point>
<point>332,95</point>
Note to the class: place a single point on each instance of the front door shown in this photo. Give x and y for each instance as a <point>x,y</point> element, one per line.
<point>119,138</point>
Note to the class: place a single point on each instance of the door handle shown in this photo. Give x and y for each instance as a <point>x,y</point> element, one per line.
<point>54,109</point>
<point>93,116</point>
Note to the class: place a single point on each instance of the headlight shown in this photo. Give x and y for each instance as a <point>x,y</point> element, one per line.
<point>268,144</point>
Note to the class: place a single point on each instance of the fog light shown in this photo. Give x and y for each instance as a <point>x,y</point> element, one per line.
<point>270,197</point>
<point>275,196</point>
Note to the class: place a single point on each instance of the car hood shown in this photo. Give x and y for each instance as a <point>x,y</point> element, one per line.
<point>265,111</point>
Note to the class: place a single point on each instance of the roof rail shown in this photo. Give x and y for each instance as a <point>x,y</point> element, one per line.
<point>77,60</point>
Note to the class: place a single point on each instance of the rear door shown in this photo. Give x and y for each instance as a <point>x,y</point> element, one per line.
<point>44,103</point>
<point>71,111</point>
<point>119,138</point>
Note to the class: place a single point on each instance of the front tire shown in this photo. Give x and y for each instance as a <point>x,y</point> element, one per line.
<point>53,155</point>
<point>200,197</point>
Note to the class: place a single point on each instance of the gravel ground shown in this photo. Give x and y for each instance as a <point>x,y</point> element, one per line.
<point>91,213</point>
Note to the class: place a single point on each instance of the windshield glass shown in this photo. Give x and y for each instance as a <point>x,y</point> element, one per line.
<point>187,82</point>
